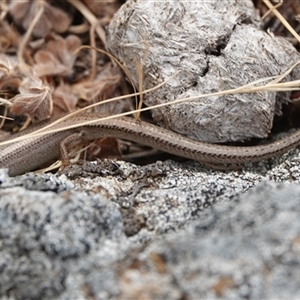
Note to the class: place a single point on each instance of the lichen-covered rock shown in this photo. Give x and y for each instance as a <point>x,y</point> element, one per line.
<point>246,249</point>
<point>121,231</point>
<point>46,236</point>
<point>215,46</point>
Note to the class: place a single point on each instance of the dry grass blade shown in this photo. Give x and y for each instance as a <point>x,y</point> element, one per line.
<point>272,9</point>
<point>273,85</point>
<point>140,68</point>
<point>91,18</point>
<point>4,102</point>
<point>264,84</point>
<point>282,19</point>
<point>22,65</point>
<point>45,130</point>
<point>281,77</point>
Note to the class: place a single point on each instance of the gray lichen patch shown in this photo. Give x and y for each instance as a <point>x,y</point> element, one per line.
<point>216,46</point>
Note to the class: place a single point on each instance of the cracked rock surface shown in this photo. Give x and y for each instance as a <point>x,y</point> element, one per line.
<point>215,46</point>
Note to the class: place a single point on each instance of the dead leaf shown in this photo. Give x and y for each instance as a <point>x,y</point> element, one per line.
<point>103,86</point>
<point>8,66</point>
<point>53,18</point>
<point>58,58</point>
<point>103,148</point>
<point>103,9</point>
<point>64,98</point>
<point>34,99</point>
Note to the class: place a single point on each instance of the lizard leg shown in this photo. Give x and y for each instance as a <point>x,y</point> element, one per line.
<point>69,142</point>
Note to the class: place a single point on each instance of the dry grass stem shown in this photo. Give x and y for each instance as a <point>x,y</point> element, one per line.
<point>140,71</point>
<point>93,52</point>
<point>272,85</point>
<point>5,102</point>
<point>22,65</point>
<point>272,9</point>
<point>282,19</point>
<point>79,29</point>
<point>91,19</point>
